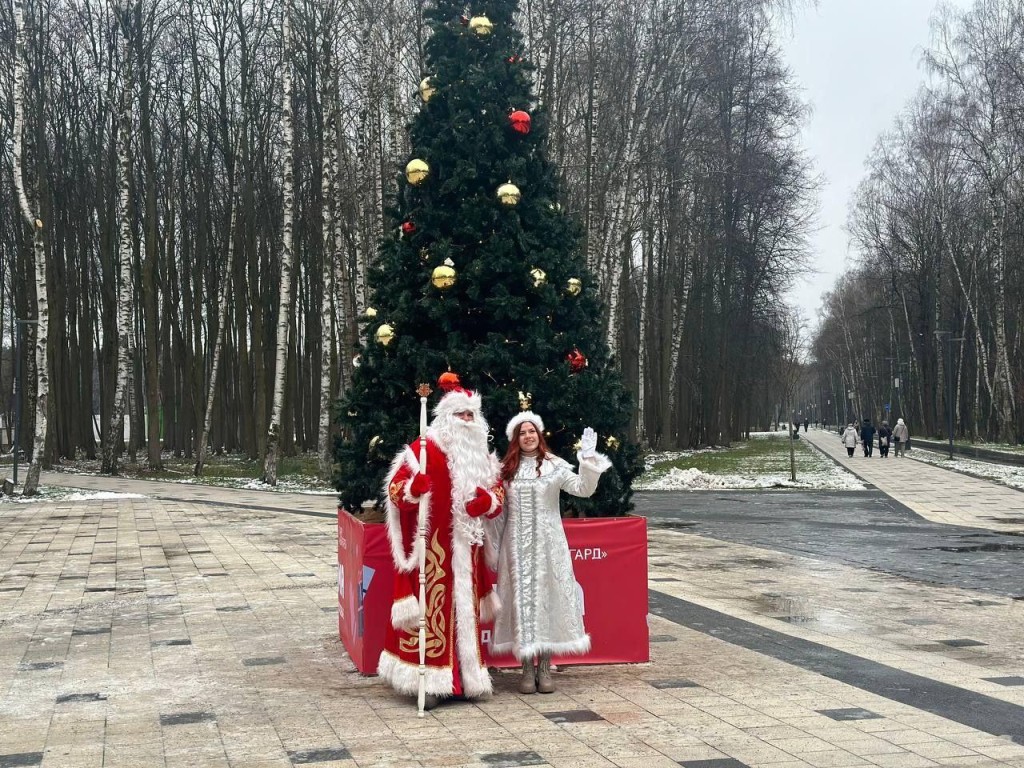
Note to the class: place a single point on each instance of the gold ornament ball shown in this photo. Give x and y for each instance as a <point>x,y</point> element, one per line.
<point>612,442</point>
<point>427,89</point>
<point>574,286</point>
<point>577,446</point>
<point>375,442</point>
<point>443,276</point>
<point>385,334</point>
<point>509,194</point>
<point>481,25</point>
<point>539,277</point>
<point>371,312</point>
<point>416,172</point>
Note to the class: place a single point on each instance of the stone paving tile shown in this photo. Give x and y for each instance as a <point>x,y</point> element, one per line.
<point>928,489</point>
<point>268,677</point>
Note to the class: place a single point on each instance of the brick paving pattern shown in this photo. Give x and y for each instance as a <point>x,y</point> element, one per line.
<point>197,627</point>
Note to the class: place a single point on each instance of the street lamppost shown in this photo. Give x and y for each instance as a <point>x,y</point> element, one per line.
<point>18,324</point>
<point>853,409</point>
<point>892,383</point>
<point>949,383</point>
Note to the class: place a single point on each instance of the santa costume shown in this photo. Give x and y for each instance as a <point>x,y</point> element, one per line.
<point>463,492</point>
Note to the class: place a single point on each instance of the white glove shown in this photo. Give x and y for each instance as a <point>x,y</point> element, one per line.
<point>588,443</point>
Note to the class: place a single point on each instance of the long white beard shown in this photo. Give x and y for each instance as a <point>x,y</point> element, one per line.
<point>470,464</point>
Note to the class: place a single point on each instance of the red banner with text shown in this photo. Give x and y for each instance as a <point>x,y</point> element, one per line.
<point>609,557</point>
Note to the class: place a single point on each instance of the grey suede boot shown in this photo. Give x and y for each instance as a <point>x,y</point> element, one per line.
<point>544,682</point>
<point>528,682</point>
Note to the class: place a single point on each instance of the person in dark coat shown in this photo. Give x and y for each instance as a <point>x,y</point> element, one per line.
<point>884,438</point>
<point>867,437</point>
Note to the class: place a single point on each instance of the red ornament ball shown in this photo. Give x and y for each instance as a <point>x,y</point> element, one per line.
<point>520,121</point>
<point>408,227</point>
<point>577,360</point>
<point>448,381</point>
<point>514,59</point>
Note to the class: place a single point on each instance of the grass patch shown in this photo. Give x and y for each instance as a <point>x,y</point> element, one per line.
<point>758,456</point>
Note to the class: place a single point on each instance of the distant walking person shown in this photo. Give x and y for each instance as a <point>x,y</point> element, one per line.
<point>900,436</point>
<point>867,437</point>
<point>849,438</point>
<point>884,437</point>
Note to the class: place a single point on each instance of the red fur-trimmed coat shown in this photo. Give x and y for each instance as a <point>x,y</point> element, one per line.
<point>459,586</point>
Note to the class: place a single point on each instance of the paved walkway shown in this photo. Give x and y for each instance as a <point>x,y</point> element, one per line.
<point>934,493</point>
<point>187,629</point>
<point>311,503</point>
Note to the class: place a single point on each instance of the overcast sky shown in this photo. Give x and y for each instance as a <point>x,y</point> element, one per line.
<point>858,63</point>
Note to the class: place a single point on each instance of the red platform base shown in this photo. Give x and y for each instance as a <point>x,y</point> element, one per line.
<point>610,565</point>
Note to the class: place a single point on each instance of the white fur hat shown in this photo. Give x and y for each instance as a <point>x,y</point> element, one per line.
<point>520,418</point>
<point>456,401</point>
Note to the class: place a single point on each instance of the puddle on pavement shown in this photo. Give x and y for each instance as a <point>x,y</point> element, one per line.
<point>781,603</point>
<point>796,609</point>
<point>1014,547</point>
<point>672,525</point>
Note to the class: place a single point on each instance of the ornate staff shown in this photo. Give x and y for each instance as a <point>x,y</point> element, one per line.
<point>423,390</point>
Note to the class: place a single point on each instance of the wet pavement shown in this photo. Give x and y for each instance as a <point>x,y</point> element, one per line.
<point>197,627</point>
<point>867,529</point>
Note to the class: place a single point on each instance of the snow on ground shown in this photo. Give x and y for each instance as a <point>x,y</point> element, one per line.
<point>57,494</point>
<point>692,479</point>
<point>1001,473</point>
<point>815,471</point>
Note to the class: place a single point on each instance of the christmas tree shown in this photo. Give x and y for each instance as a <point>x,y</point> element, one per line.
<point>483,274</point>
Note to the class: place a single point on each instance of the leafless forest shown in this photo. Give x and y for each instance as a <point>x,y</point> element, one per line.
<point>200,187</point>
<point>936,298</point>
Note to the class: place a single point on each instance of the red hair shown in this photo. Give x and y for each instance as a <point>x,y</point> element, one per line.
<point>510,464</point>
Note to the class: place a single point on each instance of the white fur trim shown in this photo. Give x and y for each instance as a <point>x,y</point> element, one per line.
<point>404,563</point>
<point>475,679</point>
<point>490,606</point>
<point>405,613</point>
<point>522,417</point>
<point>598,462</point>
<point>457,401</point>
<point>569,648</point>
<point>405,678</point>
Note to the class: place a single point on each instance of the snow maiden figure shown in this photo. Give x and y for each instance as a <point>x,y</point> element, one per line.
<point>541,613</point>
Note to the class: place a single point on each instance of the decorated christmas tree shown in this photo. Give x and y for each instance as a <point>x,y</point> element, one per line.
<point>482,273</point>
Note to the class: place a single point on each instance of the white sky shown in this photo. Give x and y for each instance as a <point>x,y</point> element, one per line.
<point>858,63</point>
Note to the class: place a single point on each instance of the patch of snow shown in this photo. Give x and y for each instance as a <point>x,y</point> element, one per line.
<point>693,479</point>
<point>88,496</point>
<point>1000,473</point>
<point>53,493</point>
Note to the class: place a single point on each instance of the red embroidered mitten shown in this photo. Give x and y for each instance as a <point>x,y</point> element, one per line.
<point>478,504</point>
<point>420,484</point>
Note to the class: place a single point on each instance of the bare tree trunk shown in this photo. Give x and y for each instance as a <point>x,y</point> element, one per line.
<point>222,319</point>
<point>39,253</point>
<point>287,257</point>
<point>327,346</point>
<point>115,428</point>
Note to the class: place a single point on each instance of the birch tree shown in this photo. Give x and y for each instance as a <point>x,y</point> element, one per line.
<point>270,465</point>
<point>122,380</point>
<point>39,258</point>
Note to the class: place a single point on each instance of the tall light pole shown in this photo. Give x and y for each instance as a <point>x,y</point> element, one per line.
<point>18,323</point>
<point>949,383</point>
<point>891,383</point>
